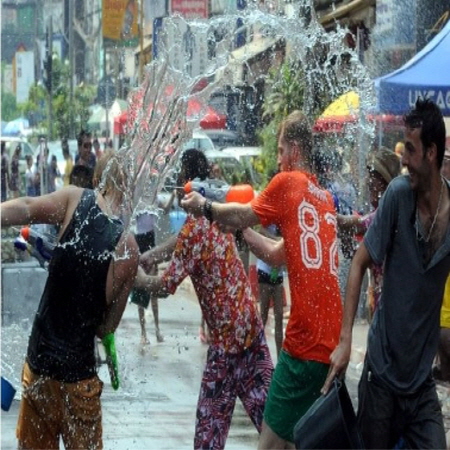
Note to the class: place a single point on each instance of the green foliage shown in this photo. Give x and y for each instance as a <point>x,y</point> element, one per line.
<point>10,110</point>
<point>84,96</point>
<point>285,95</point>
<point>37,105</point>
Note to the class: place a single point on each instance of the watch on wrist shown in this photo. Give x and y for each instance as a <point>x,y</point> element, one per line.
<point>207,210</point>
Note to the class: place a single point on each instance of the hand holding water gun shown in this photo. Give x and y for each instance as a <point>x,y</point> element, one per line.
<point>220,191</point>
<point>39,245</point>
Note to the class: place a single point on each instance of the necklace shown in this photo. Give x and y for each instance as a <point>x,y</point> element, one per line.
<point>430,232</point>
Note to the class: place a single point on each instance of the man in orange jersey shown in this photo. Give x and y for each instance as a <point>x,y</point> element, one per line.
<point>305,215</point>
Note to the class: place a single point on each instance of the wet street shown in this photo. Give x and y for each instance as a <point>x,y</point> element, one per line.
<point>155,406</point>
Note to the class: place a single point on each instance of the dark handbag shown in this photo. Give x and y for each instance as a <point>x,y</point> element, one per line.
<point>330,423</point>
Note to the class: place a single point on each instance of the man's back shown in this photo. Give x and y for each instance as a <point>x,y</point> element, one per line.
<point>305,215</point>
<point>211,259</point>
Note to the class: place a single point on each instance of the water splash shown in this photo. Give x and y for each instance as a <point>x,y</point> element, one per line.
<point>157,113</point>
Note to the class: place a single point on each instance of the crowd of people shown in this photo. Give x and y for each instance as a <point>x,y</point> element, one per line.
<point>404,240</point>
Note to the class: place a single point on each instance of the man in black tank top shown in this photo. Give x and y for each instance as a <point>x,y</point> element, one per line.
<point>61,389</point>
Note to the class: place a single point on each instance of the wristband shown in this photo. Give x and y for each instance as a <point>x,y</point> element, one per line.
<point>207,210</point>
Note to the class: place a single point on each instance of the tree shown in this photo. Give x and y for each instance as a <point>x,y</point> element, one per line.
<point>10,110</point>
<point>36,107</point>
<point>285,95</point>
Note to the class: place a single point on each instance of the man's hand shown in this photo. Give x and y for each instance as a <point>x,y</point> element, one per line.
<point>193,203</point>
<point>147,262</point>
<point>339,362</point>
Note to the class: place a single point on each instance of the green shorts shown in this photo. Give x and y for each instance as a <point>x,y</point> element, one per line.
<point>140,297</point>
<point>295,386</point>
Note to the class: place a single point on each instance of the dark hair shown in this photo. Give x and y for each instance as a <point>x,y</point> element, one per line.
<point>81,176</point>
<point>427,116</point>
<point>194,164</point>
<point>82,134</point>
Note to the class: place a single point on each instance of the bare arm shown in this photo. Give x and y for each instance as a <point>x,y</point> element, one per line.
<point>265,248</point>
<point>152,284</point>
<point>52,208</point>
<point>168,205</point>
<point>234,215</point>
<point>121,275</point>
<point>158,254</point>
<point>341,354</point>
<point>350,224</point>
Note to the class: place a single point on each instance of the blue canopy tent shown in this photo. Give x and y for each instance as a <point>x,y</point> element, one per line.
<point>425,75</point>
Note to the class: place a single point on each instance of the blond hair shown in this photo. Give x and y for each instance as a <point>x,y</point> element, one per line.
<point>295,129</point>
<point>108,174</point>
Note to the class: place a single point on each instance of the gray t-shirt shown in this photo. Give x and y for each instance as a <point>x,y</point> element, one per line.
<point>404,334</point>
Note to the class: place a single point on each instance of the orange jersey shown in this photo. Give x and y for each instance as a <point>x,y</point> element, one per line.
<point>306,217</point>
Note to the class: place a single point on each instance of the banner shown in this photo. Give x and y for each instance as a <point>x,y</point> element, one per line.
<point>190,9</point>
<point>120,21</point>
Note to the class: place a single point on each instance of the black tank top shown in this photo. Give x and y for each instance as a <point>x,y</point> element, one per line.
<point>73,303</point>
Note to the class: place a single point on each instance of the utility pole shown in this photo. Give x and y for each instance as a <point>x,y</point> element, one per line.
<point>71,68</point>
<point>49,77</point>
<point>141,41</point>
<point>106,93</point>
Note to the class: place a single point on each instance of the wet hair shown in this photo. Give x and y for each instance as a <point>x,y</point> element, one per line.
<point>194,164</point>
<point>427,116</point>
<point>81,176</point>
<point>81,135</point>
<point>296,129</point>
<point>109,175</point>
<point>385,162</point>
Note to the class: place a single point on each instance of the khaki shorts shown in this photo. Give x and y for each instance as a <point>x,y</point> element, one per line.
<point>51,409</point>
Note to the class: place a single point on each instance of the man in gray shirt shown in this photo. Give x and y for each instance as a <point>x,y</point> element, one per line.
<point>410,236</point>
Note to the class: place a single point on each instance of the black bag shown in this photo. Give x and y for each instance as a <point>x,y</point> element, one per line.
<point>330,423</point>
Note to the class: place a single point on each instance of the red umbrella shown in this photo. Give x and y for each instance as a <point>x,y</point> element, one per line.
<point>210,120</point>
<point>120,123</point>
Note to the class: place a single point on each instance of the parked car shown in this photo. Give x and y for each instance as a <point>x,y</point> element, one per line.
<point>232,170</point>
<point>199,141</point>
<point>248,157</point>
<point>223,138</point>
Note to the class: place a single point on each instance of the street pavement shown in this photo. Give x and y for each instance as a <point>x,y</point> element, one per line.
<point>155,405</point>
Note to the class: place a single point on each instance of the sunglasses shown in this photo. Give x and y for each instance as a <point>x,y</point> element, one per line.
<point>87,145</point>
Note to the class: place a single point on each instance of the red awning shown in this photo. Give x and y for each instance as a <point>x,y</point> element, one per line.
<point>120,123</point>
<point>210,120</point>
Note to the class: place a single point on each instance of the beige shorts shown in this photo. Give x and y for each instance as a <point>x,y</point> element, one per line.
<point>51,409</point>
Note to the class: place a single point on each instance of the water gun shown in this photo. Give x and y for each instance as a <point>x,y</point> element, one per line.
<point>109,344</point>
<point>219,191</point>
<point>39,245</point>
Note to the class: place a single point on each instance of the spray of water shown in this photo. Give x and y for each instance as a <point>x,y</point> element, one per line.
<point>158,119</point>
<point>158,123</point>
